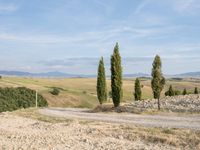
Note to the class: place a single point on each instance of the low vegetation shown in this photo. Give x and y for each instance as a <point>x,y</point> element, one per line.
<point>55,91</point>
<point>21,97</point>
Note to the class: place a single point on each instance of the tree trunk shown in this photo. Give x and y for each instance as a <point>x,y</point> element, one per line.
<point>158,103</point>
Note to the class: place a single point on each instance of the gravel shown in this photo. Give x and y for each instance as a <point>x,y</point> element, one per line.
<point>28,134</point>
<point>187,103</point>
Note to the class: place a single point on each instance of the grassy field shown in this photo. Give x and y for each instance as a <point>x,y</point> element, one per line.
<point>81,92</point>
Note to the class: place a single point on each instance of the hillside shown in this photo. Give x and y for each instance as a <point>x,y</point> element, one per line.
<point>57,74</point>
<point>81,92</point>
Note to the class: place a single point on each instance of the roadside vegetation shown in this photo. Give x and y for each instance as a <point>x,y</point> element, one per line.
<point>17,98</point>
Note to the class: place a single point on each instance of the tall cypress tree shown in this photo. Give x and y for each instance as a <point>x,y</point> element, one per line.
<point>116,76</point>
<point>101,82</point>
<point>184,91</point>
<point>138,91</point>
<point>196,90</point>
<point>158,81</point>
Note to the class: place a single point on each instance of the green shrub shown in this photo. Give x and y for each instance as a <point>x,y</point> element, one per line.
<point>196,90</point>
<point>170,92</point>
<point>185,92</point>
<point>177,92</point>
<point>21,97</point>
<point>55,91</point>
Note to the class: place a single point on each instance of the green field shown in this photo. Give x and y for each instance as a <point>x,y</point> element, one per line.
<point>81,92</point>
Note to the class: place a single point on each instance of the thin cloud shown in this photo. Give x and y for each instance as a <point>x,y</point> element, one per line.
<point>189,6</point>
<point>141,6</point>
<point>8,8</point>
<point>96,36</point>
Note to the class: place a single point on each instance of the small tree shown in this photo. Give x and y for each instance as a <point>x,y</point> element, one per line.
<point>116,77</point>
<point>138,91</point>
<point>196,90</point>
<point>158,81</point>
<point>101,82</point>
<point>170,92</point>
<point>55,91</point>
<point>184,91</point>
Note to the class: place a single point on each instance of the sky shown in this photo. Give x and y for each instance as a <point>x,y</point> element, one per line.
<point>71,35</point>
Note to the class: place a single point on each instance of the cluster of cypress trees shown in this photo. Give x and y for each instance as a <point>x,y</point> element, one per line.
<point>116,79</point>
<point>172,92</point>
<point>157,82</point>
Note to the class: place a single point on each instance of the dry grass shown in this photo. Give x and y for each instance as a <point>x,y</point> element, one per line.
<point>81,92</point>
<point>34,114</point>
<point>179,138</point>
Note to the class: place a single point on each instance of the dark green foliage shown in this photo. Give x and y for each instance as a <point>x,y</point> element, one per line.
<point>177,92</point>
<point>138,91</point>
<point>16,98</point>
<point>110,94</point>
<point>196,90</point>
<point>158,81</point>
<point>116,76</point>
<point>184,92</point>
<point>170,92</point>
<point>55,91</point>
<point>101,82</point>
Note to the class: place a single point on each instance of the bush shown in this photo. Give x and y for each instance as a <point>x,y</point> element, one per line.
<point>170,92</point>
<point>16,98</point>
<point>196,90</point>
<point>55,91</point>
<point>185,92</point>
<point>177,92</point>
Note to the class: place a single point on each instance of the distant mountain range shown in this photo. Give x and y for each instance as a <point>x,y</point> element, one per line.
<point>61,74</point>
<point>28,74</point>
<point>189,74</point>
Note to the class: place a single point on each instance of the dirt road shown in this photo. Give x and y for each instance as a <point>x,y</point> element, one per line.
<point>169,121</point>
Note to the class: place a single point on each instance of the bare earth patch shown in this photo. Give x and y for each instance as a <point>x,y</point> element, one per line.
<point>18,130</point>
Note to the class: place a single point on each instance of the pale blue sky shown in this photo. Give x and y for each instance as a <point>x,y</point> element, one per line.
<point>70,35</point>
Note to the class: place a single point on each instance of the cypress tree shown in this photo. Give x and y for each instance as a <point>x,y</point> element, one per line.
<point>138,91</point>
<point>116,76</point>
<point>158,81</point>
<point>101,82</point>
<point>196,90</point>
<point>171,91</point>
<point>184,91</point>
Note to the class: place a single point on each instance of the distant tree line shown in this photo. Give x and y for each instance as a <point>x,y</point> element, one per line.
<point>172,92</point>
<point>21,97</point>
<point>116,93</point>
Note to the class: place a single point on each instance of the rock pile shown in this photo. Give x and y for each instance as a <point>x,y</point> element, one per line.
<point>187,103</point>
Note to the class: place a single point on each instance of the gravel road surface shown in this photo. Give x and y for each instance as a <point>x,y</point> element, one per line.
<point>187,122</point>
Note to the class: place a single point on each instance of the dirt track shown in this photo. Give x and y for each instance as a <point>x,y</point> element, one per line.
<point>187,122</point>
<point>18,130</point>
